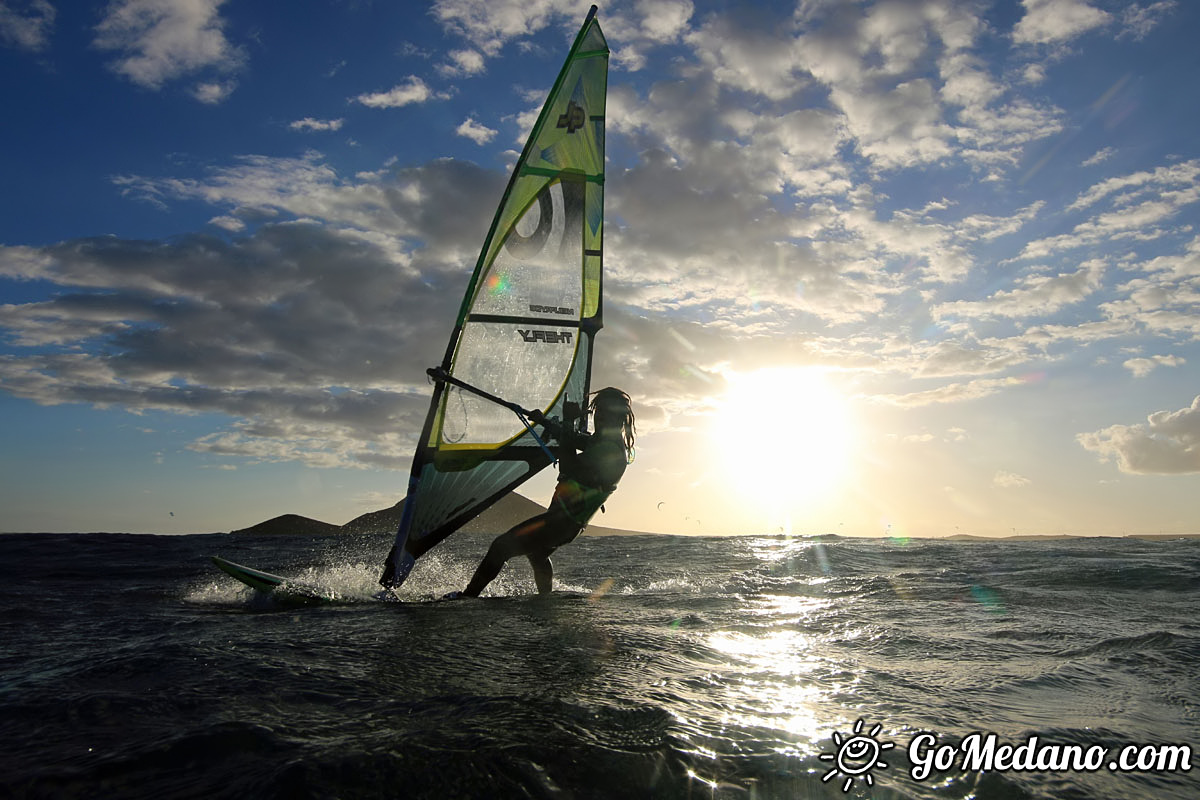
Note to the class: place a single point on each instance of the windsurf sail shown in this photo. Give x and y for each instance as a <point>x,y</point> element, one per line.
<point>524,334</point>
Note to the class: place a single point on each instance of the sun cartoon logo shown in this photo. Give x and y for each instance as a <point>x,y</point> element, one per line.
<point>856,756</point>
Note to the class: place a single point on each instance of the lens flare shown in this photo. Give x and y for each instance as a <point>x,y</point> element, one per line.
<point>497,283</point>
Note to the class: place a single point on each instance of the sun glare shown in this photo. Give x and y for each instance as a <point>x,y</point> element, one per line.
<point>786,437</point>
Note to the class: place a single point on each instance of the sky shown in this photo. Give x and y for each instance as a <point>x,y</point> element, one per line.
<point>912,267</point>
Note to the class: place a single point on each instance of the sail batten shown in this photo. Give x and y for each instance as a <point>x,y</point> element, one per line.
<point>525,328</point>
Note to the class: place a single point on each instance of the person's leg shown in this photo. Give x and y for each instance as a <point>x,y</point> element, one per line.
<point>556,530</point>
<point>543,571</point>
<point>512,543</point>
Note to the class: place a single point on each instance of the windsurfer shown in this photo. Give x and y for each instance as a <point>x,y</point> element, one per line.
<point>585,480</point>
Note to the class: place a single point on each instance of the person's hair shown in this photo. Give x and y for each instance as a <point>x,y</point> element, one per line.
<point>610,397</point>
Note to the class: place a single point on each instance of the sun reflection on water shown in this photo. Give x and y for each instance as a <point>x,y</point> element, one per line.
<point>772,669</point>
<point>776,681</point>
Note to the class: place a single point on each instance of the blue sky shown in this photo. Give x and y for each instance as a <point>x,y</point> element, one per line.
<point>948,250</point>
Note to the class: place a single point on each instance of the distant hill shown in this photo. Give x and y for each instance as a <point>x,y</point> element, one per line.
<point>376,521</point>
<point>292,523</point>
<point>1023,537</point>
<point>514,508</point>
<point>1054,537</point>
<point>505,513</point>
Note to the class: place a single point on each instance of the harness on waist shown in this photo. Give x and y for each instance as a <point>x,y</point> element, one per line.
<point>579,501</point>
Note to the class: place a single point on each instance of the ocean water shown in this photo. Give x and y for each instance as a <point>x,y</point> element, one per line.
<point>663,667</point>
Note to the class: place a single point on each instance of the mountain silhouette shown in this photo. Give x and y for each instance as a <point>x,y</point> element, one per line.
<point>499,517</point>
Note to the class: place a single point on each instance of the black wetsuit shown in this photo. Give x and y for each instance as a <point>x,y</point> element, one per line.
<point>585,481</point>
<point>587,478</point>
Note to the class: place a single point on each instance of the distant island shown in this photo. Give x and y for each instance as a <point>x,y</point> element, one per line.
<point>501,516</point>
<point>1051,537</point>
<point>514,508</point>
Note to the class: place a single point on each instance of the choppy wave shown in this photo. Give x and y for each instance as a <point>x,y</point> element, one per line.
<point>663,666</point>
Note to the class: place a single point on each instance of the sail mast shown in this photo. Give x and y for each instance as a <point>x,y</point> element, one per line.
<point>524,331</point>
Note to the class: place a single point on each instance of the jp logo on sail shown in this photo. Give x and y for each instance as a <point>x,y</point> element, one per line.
<point>574,118</point>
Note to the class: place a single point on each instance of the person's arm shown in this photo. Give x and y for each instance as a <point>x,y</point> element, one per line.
<point>567,435</point>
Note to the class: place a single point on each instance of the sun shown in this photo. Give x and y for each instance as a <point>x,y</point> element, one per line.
<point>786,437</point>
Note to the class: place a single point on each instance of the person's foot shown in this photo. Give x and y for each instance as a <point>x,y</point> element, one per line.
<point>452,595</point>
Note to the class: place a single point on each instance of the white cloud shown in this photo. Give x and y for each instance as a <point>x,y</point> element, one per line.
<point>231,224</point>
<point>1139,204</point>
<point>1176,176</point>
<point>900,127</point>
<point>1138,21</point>
<point>912,236</point>
<point>714,157</point>
<point>664,20</point>
<point>1033,74</point>
<point>950,393</point>
<point>1141,367</point>
<point>311,124</point>
<point>1083,333</point>
<point>477,133</point>
<point>1167,444</point>
<point>29,30</point>
<point>877,64</point>
<point>1048,21</point>
<point>268,328</point>
<point>995,135</point>
<point>413,90</point>
<point>463,62</point>
<point>434,203</point>
<point>1158,304</point>
<point>967,82</point>
<point>213,92</point>
<point>1036,295</point>
<point>1183,266</point>
<point>258,187</point>
<point>160,40</point>
<point>490,24</point>
<point>1101,155</point>
<point>960,358</point>
<point>1004,479</point>
<point>763,61</point>
<point>987,227</point>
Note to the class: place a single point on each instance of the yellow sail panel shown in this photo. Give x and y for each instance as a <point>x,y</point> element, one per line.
<point>567,143</point>
<point>526,325</point>
<point>538,275</point>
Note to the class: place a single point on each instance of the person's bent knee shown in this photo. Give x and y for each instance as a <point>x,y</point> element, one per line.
<point>506,546</point>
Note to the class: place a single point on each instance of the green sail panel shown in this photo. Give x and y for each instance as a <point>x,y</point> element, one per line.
<point>525,329</point>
